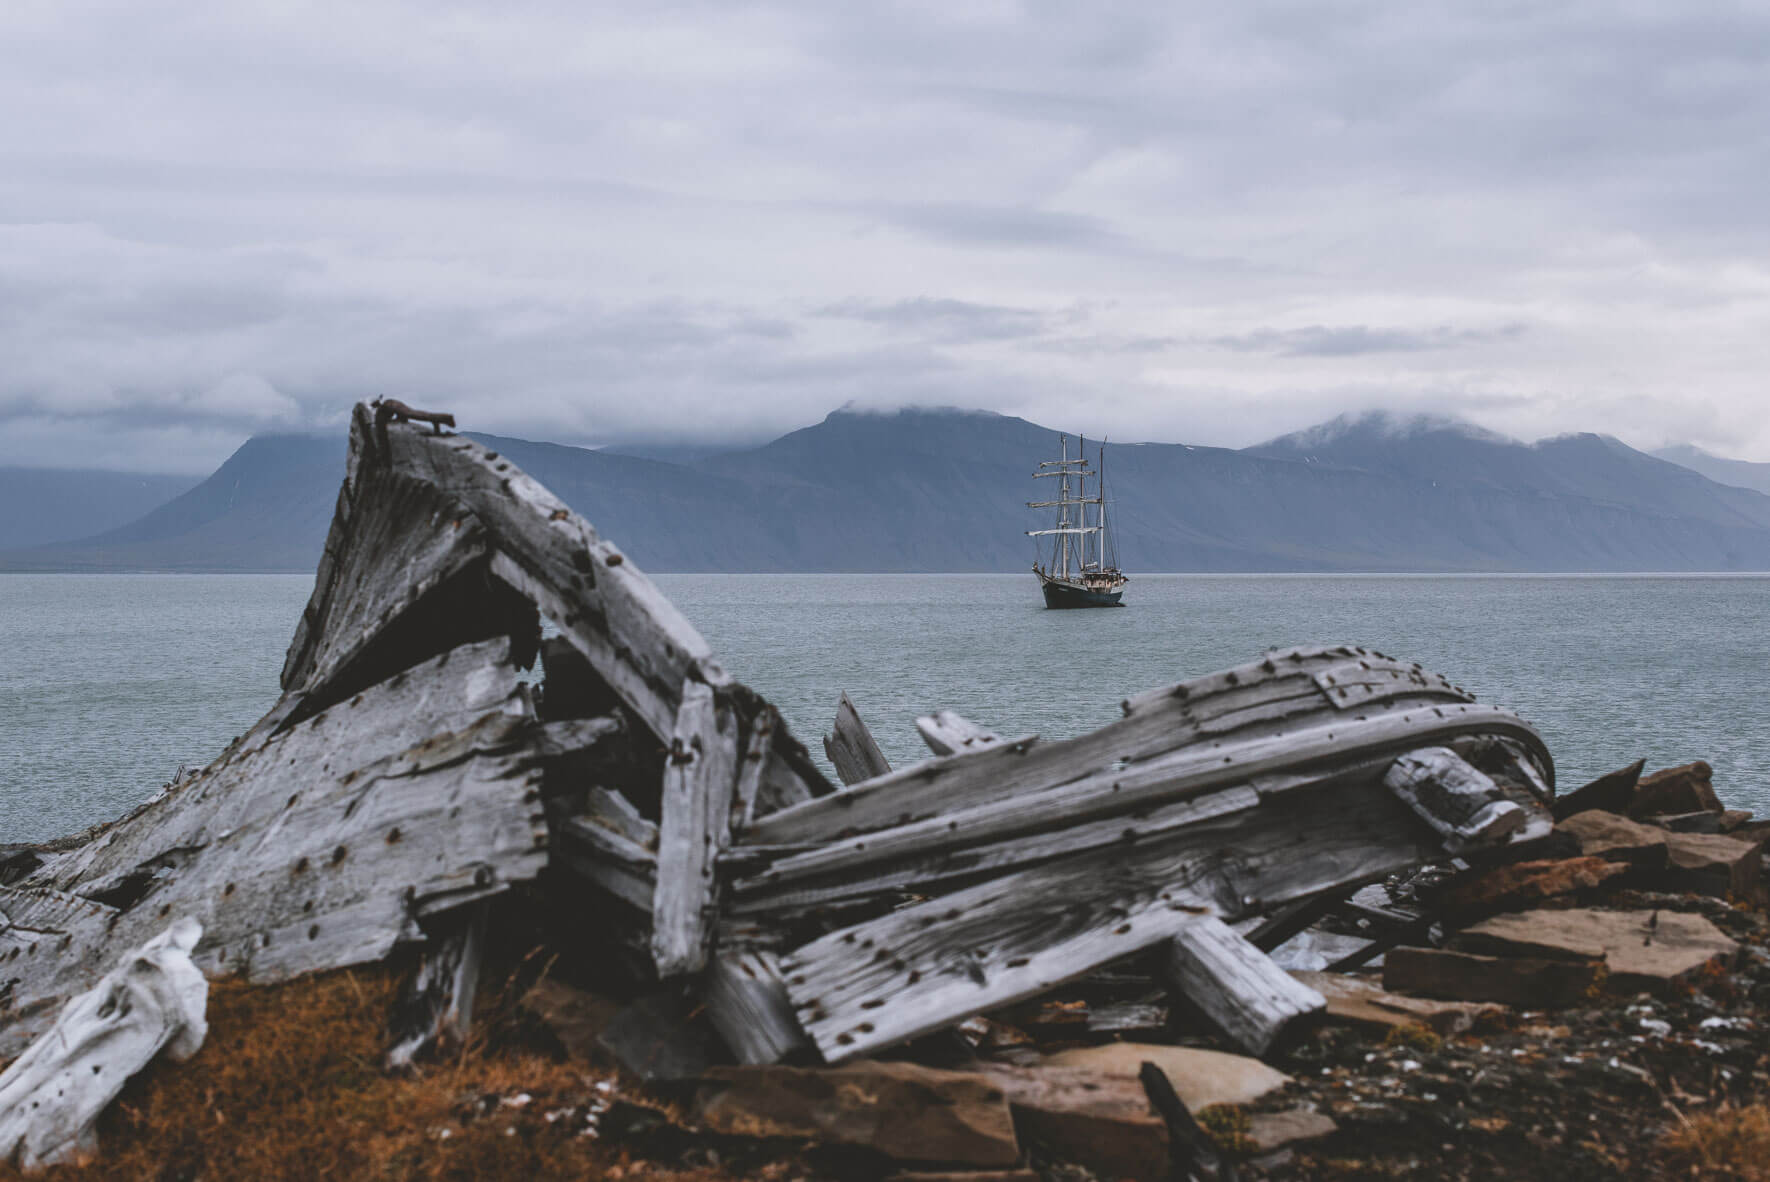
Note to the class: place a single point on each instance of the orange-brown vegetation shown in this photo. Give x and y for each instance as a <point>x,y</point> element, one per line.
<point>289,1085</point>
<point>1727,1145</point>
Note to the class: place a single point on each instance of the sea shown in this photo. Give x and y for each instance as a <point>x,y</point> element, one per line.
<point>109,683</point>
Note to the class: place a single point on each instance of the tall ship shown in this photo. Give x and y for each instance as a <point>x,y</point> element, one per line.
<point>1082,569</point>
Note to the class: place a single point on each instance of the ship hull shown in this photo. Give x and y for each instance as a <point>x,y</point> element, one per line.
<point>1059,594</point>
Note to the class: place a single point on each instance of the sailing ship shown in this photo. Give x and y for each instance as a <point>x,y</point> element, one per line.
<point>1083,570</point>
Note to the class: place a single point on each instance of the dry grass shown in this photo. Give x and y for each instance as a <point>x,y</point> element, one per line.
<point>1727,1145</point>
<point>288,1085</point>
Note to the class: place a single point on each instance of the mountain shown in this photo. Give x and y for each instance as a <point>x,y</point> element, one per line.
<point>266,508</point>
<point>39,505</point>
<point>1738,473</point>
<point>945,490</point>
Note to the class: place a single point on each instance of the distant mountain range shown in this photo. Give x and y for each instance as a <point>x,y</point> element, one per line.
<point>39,505</point>
<point>942,490</point>
<point>1739,473</point>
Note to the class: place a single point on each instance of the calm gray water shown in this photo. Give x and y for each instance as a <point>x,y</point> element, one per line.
<point>109,682</point>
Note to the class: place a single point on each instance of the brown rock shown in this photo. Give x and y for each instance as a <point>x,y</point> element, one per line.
<point>1734,820</point>
<point>1643,950</point>
<point>1103,1122</point>
<point>1360,1001</point>
<point>1089,1107</point>
<point>1526,982</point>
<point>1524,884</point>
<point>1202,1078</point>
<point>1616,839</point>
<point>1611,793</point>
<point>1686,789</point>
<point>1271,1131</point>
<point>1700,822</point>
<point>902,1110</point>
<point>1713,864</point>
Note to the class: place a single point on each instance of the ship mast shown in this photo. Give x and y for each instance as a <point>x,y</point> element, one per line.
<point>1063,469</point>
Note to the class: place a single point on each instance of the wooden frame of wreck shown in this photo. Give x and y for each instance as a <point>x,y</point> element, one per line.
<point>409,777</point>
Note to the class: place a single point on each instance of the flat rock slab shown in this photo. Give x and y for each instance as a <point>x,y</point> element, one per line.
<point>1525,884</point>
<point>1686,789</point>
<point>1643,950</point>
<point>1272,1131</point>
<point>1714,864</point>
<point>1202,1078</point>
<point>1089,1107</point>
<point>901,1110</point>
<point>1362,1002</point>
<point>1615,838</point>
<point>1528,982</point>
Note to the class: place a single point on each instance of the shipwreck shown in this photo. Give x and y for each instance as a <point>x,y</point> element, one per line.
<point>486,705</point>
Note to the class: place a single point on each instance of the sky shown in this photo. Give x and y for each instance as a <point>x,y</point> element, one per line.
<point>713,223</point>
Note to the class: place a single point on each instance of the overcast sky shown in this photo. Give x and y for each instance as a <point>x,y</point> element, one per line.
<point>1205,224</point>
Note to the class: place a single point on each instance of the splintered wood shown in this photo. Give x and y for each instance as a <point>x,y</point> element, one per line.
<point>410,783</point>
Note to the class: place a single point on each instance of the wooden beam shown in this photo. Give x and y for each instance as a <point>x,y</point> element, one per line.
<point>851,748</point>
<point>919,968</point>
<point>747,1003</point>
<point>1234,708</point>
<point>52,1095</point>
<point>1462,804</point>
<point>1179,775</point>
<point>947,733</point>
<point>699,780</point>
<point>1236,987</point>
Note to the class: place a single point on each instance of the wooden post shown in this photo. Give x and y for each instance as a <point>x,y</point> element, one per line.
<point>1237,988</point>
<point>435,1008</point>
<point>851,748</point>
<point>699,779</point>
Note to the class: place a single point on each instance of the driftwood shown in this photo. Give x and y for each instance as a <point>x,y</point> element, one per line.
<point>52,1095</point>
<point>410,780</point>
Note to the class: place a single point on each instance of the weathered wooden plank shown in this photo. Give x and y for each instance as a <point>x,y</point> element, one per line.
<point>947,733</point>
<point>924,966</point>
<point>407,539</point>
<point>319,847</point>
<point>772,893</point>
<point>1460,802</point>
<point>52,1096</point>
<point>1188,772</point>
<point>851,748</point>
<point>699,781</point>
<point>1235,986</point>
<point>612,847</point>
<point>435,1006</point>
<point>747,1003</point>
<point>753,768</point>
<point>1157,724</point>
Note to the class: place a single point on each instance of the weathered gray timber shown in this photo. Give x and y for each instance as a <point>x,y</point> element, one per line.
<point>747,1003</point>
<point>317,847</point>
<point>948,733</point>
<point>699,778</point>
<point>52,1095</point>
<point>851,748</point>
<point>1237,988</point>
<point>1463,804</point>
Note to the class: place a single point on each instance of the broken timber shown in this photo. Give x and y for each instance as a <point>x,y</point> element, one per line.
<point>410,780</point>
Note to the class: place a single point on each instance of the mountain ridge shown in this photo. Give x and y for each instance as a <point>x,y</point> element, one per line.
<point>944,490</point>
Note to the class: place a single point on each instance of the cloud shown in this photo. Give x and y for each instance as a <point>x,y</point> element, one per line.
<point>1358,340</point>
<point>702,221</point>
